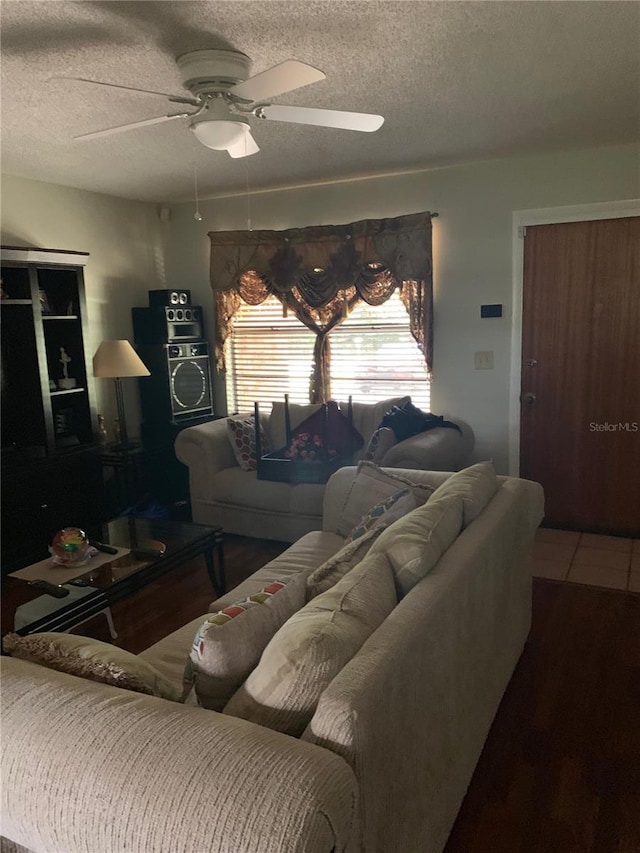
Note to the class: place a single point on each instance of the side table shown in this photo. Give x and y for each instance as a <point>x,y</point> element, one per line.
<point>129,475</point>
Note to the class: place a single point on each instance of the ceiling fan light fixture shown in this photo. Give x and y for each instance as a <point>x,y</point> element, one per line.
<point>220,134</point>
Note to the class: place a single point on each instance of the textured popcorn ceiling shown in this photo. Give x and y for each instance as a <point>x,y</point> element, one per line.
<point>456,81</point>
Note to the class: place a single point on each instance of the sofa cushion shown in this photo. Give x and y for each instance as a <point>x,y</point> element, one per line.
<point>313,646</point>
<point>370,486</point>
<point>169,654</point>
<point>382,440</point>
<point>297,413</point>
<point>241,489</point>
<point>339,564</point>
<point>303,556</point>
<point>415,543</point>
<point>476,486</point>
<point>92,659</point>
<point>228,644</point>
<point>242,435</point>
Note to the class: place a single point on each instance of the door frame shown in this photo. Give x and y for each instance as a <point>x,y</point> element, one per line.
<point>522,219</point>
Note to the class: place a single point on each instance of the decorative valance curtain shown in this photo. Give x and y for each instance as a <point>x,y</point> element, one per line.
<point>321,273</point>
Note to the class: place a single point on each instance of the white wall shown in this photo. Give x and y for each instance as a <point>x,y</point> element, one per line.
<point>123,239</point>
<point>472,254</point>
<point>128,247</point>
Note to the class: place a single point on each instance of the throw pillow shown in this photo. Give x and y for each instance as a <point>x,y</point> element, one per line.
<point>228,644</point>
<point>476,486</point>
<point>242,435</point>
<point>384,513</point>
<point>416,542</point>
<point>297,413</point>
<point>380,443</point>
<point>371,485</point>
<point>342,437</point>
<point>92,659</point>
<point>313,646</point>
<point>341,563</point>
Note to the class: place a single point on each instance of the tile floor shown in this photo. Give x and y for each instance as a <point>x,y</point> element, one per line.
<point>587,558</point>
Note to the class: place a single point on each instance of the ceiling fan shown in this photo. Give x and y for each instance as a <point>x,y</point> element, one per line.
<point>224,95</point>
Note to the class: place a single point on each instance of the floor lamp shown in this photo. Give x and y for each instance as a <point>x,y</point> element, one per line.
<point>117,360</point>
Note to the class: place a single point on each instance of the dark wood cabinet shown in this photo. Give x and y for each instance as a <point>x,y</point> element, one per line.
<point>51,473</point>
<point>39,496</point>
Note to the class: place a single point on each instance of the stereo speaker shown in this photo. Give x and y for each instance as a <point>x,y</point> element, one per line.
<point>166,325</point>
<point>179,388</point>
<point>157,298</point>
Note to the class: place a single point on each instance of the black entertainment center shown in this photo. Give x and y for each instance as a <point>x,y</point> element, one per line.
<point>51,471</point>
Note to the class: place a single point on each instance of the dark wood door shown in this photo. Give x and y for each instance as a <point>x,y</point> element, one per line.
<point>580,389</point>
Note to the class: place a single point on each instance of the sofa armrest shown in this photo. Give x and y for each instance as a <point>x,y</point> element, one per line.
<point>206,450</point>
<point>89,768</point>
<point>206,446</point>
<point>439,449</point>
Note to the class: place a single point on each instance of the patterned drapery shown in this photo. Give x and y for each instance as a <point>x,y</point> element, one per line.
<point>321,273</point>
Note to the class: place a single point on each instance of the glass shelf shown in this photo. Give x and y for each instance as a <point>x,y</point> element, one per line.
<point>16,302</point>
<point>67,391</point>
<point>59,316</point>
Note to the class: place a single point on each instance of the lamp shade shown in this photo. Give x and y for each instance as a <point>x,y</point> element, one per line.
<point>117,359</point>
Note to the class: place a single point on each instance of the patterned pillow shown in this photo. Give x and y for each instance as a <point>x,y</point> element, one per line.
<point>92,659</point>
<point>384,513</point>
<point>380,443</point>
<point>228,644</point>
<point>242,435</point>
<point>313,646</point>
<point>336,567</point>
<point>370,486</point>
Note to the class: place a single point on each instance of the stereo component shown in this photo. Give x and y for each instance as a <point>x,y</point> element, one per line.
<point>165,324</point>
<point>179,388</point>
<point>158,298</point>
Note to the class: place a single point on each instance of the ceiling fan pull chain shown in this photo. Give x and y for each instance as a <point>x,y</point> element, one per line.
<point>246,176</point>
<point>197,215</point>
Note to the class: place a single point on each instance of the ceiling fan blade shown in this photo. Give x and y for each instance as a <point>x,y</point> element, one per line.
<point>244,148</point>
<point>177,99</point>
<point>275,81</point>
<point>323,118</point>
<point>122,127</point>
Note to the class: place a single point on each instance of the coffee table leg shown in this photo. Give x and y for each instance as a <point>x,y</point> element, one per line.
<point>218,581</point>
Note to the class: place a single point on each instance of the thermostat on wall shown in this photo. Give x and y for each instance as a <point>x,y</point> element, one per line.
<point>491,310</point>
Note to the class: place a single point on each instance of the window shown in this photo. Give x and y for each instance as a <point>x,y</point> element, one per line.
<point>267,356</point>
<point>373,356</point>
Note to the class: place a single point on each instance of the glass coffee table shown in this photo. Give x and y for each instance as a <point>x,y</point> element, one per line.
<point>92,592</point>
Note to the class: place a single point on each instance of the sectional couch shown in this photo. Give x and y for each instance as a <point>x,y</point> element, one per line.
<point>381,759</point>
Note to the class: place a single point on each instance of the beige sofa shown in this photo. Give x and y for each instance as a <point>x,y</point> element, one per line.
<point>382,767</point>
<point>223,494</point>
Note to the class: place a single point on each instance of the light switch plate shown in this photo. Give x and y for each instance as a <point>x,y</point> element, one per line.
<point>483,360</point>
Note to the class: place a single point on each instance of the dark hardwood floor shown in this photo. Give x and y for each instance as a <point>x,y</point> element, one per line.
<point>560,771</point>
